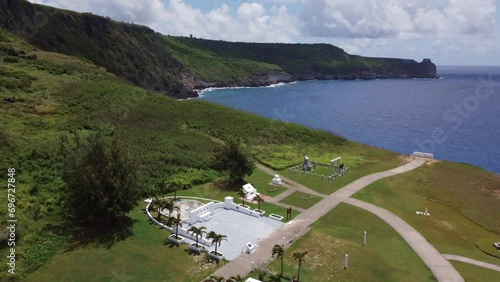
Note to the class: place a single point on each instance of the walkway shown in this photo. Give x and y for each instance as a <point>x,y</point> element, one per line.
<point>295,185</point>
<point>438,264</point>
<point>472,261</point>
<point>292,230</point>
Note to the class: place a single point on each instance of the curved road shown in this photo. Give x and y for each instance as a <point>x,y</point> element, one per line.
<point>472,261</point>
<point>439,265</point>
<point>289,232</point>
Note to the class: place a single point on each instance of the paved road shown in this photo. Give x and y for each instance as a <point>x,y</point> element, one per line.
<point>290,231</point>
<point>438,264</point>
<point>472,261</point>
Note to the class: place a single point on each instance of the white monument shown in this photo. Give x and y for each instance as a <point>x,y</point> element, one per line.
<point>277,180</point>
<point>250,191</point>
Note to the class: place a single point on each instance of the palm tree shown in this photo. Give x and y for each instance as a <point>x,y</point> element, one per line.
<point>177,222</point>
<point>216,239</point>
<point>214,278</point>
<point>242,194</point>
<point>178,184</point>
<point>156,205</point>
<point>161,187</point>
<point>170,206</point>
<point>198,232</point>
<point>279,252</point>
<point>262,273</point>
<point>236,278</point>
<point>259,200</point>
<point>300,258</point>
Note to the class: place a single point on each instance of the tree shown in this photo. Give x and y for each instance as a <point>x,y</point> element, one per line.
<point>197,232</point>
<point>214,278</point>
<point>259,200</point>
<point>262,273</point>
<point>236,278</point>
<point>235,160</point>
<point>279,252</point>
<point>161,187</point>
<point>170,206</point>
<point>176,222</point>
<point>300,258</point>
<point>177,184</point>
<point>216,239</point>
<point>156,205</point>
<point>242,195</point>
<point>102,183</point>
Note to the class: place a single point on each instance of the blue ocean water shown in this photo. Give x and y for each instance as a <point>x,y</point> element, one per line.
<point>456,117</point>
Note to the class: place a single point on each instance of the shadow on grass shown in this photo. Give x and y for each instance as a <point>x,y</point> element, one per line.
<point>227,185</point>
<point>191,252</point>
<point>170,244</point>
<point>104,234</point>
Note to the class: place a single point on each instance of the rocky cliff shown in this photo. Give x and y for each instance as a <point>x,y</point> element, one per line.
<point>178,65</point>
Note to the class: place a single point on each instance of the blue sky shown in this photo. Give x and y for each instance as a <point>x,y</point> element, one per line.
<point>450,32</point>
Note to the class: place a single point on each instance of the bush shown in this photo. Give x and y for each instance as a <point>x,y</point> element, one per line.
<point>10,60</point>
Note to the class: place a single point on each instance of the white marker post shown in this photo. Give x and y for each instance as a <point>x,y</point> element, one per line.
<point>346,261</point>
<point>426,211</point>
<point>252,266</point>
<point>283,245</point>
<point>364,238</point>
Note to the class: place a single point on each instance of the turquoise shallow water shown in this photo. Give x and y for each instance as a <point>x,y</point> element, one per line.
<point>456,117</point>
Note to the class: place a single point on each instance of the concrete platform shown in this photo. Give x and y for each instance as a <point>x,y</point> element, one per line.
<point>239,229</point>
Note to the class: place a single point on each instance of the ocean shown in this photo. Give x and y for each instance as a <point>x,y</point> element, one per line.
<point>455,117</point>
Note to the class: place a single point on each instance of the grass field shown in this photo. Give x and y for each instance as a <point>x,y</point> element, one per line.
<point>472,273</point>
<point>301,200</point>
<point>460,199</point>
<point>260,180</point>
<point>386,257</point>
<point>361,162</point>
<point>144,255</point>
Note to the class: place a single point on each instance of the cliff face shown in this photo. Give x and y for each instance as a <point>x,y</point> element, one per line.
<point>177,65</point>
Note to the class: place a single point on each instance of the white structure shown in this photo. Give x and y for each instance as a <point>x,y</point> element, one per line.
<point>277,180</point>
<point>250,191</point>
<point>250,248</point>
<point>202,213</point>
<point>252,280</point>
<point>423,155</point>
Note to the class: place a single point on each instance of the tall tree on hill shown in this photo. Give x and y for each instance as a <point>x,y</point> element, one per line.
<point>279,252</point>
<point>300,257</point>
<point>101,179</point>
<point>161,187</point>
<point>177,184</point>
<point>235,160</point>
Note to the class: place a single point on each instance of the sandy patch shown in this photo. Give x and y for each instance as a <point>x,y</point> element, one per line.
<point>406,158</point>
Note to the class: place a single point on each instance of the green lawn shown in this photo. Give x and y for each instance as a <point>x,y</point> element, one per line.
<point>260,180</point>
<point>361,160</point>
<point>143,256</point>
<point>386,257</point>
<point>301,200</point>
<point>454,194</point>
<point>472,273</point>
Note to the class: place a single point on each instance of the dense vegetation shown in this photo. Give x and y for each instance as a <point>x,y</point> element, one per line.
<point>49,99</point>
<point>176,65</point>
<point>133,52</point>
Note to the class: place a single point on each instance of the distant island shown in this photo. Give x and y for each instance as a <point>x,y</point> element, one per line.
<point>179,65</point>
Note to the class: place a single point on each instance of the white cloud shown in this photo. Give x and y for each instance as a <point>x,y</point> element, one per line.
<point>241,21</point>
<point>397,18</point>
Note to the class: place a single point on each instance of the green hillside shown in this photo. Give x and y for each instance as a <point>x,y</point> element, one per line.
<point>176,65</point>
